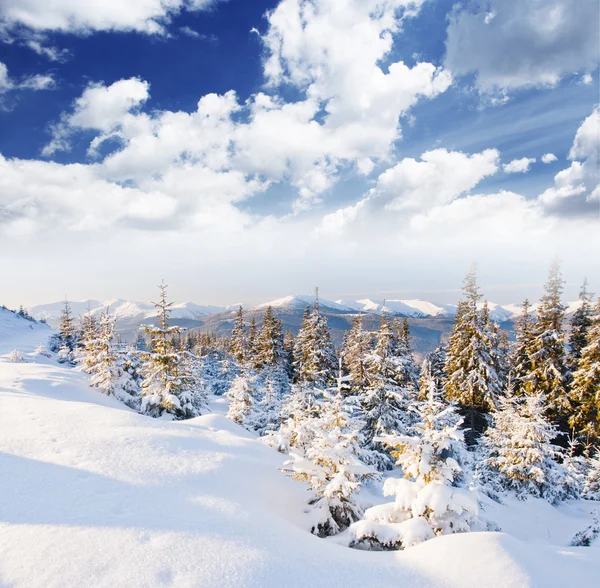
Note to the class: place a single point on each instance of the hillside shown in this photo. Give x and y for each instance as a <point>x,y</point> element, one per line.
<point>98,495</point>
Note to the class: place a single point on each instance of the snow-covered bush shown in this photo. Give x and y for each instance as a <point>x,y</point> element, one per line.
<point>43,351</point>
<point>591,484</point>
<point>65,355</point>
<point>520,455</point>
<point>16,356</point>
<point>427,501</point>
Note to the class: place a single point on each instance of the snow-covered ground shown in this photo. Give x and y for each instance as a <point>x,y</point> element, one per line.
<point>93,494</point>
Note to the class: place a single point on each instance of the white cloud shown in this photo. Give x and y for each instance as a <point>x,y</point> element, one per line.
<point>348,114</point>
<point>587,79</point>
<point>412,187</point>
<point>519,166</point>
<point>549,158</point>
<point>100,108</point>
<point>34,82</point>
<point>51,53</point>
<point>75,16</point>
<point>526,43</point>
<point>576,190</point>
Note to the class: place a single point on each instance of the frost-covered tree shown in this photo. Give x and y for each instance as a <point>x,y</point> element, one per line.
<point>315,358</point>
<point>356,347</point>
<point>522,352</point>
<point>520,452</point>
<point>437,365</point>
<point>549,371</point>
<point>269,350</point>
<point>585,385</point>
<point>408,373</point>
<point>168,385</point>
<point>106,364</point>
<point>331,465</point>
<point>427,501</point>
<point>273,387</point>
<point>67,331</point>
<point>288,348</point>
<point>580,324</point>
<point>473,381</point>
<point>242,399</point>
<point>591,485</point>
<point>238,343</point>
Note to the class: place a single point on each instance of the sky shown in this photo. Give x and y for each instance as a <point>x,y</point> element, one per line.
<point>246,150</point>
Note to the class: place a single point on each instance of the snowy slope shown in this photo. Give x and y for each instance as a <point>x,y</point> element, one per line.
<point>14,326</point>
<point>97,496</point>
<point>301,302</point>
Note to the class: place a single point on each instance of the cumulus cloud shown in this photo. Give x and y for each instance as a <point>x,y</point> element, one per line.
<point>412,187</point>
<point>525,42</point>
<point>518,166</point>
<point>348,114</point>
<point>74,16</point>
<point>576,190</point>
<point>549,158</point>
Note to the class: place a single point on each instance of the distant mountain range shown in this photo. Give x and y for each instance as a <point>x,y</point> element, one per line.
<point>429,322</point>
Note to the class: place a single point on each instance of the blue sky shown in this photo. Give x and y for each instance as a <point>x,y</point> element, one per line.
<point>361,145</point>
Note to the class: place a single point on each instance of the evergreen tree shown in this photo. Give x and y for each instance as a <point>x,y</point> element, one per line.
<point>521,357</point>
<point>269,343</point>
<point>238,343</point>
<point>520,450</point>
<point>580,324</point>
<point>437,365</point>
<point>315,357</point>
<point>251,347</point>
<point>585,386</point>
<point>67,332</point>
<point>549,372</point>
<point>332,466</point>
<point>354,353</point>
<point>168,385</point>
<point>473,381</point>
<point>408,374</point>
<point>241,401</point>
<point>288,348</point>
<point>427,501</point>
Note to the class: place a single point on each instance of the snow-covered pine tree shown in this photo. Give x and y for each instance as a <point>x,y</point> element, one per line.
<point>549,371</point>
<point>242,399</point>
<point>67,336</point>
<point>288,348</point>
<point>585,385</point>
<point>315,358</point>
<point>408,373</point>
<point>591,485</point>
<point>356,347</point>
<point>238,343</point>
<point>274,387</point>
<point>269,349</point>
<point>520,451</point>
<point>331,464</point>
<point>580,324</point>
<point>437,363</point>
<point>105,364</point>
<point>252,340</point>
<point>168,385</point>
<point>472,380</point>
<point>522,352</point>
<point>427,501</point>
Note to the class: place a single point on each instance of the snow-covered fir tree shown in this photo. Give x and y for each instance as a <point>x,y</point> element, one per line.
<point>67,331</point>
<point>288,348</point>
<point>428,501</point>
<point>238,343</point>
<point>242,399</point>
<point>315,358</point>
<point>408,373</point>
<point>106,364</point>
<point>269,350</point>
<point>473,381</point>
<point>331,465</point>
<point>388,394</point>
<point>274,387</point>
<point>549,371</point>
<point>580,324</point>
<point>585,385</point>
<point>356,347</point>
<point>168,385</point>
<point>437,365</point>
<point>591,485</point>
<point>523,350</point>
<point>520,452</point>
